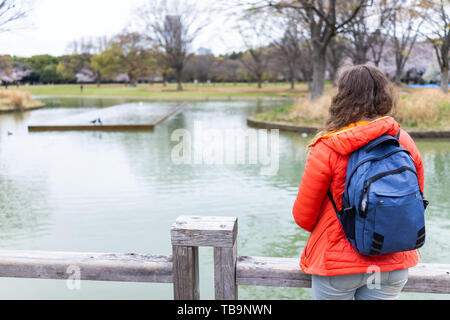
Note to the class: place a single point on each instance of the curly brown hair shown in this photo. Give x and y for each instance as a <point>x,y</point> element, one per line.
<point>364,91</point>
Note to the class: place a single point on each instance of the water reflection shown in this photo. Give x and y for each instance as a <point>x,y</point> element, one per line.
<point>24,211</point>
<point>120,192</point>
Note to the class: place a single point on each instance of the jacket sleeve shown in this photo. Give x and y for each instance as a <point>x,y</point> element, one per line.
<point>408,143</point>
<point>313,187</point>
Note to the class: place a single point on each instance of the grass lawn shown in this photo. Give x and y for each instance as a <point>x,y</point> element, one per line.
<point>417,109</point>
<point>158,91</point>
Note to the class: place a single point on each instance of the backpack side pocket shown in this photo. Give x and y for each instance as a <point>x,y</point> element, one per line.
<point>347,219</point>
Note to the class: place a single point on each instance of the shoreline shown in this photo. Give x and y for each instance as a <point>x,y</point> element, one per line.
<point>23,109</point>
<point>165,97</point>
<point>284,126</point>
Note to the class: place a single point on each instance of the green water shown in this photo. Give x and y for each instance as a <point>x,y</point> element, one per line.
<point>120,192</point>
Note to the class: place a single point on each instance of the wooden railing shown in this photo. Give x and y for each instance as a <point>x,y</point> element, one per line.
<point>182,267</point>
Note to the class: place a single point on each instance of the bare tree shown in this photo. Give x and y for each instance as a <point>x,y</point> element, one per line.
<point>200,67</point>
<point>305,65</point>
<point>171,26</point>
<point>359,37</point>
<point>228,69</point>
<point>336,55</point>
<point>324,18</point>
<point>438,26</point>
<point>377,45</point>
<point>88,46</point>
<point>257,55</point>
<point>253,31</point>
<point>255,61</point>
<point>289,46</point>
<point>381,11</point>
<point>10,11</point>
<point>405,23</point>
<point>368,32</point>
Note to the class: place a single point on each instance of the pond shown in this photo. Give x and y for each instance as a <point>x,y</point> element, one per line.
<point>120,192</point>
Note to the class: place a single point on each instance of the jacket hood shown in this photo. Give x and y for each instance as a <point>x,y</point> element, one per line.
<point>348,140</point>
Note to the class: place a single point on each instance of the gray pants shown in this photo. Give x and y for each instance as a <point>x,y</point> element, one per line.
<point>360,286</point>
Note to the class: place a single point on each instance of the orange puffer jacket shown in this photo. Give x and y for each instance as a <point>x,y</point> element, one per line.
<point>327,251</point>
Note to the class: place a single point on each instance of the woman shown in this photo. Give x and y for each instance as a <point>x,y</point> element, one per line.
<point>358,114</point>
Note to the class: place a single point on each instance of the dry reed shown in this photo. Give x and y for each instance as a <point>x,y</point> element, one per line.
<point>16,99</point>
<point>416,108</point>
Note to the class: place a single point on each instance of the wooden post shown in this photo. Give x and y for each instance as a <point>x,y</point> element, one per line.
<point>225,286</point>
<point>217,232</point>
<point>185,273</point>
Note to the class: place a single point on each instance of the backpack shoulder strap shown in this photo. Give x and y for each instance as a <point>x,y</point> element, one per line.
<point>381,140</point>
<point>333,203</point>
<point>346,209</point>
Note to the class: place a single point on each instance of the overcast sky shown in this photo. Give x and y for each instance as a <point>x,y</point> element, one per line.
<point>52,24</point>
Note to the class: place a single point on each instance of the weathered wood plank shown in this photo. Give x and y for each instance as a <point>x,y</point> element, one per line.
<point>278,272</point>
<point>429,278</point>
<point>92,266</point>
<point>285,272</point>
<point>185,273</point>
<point>169,114</point>
<point>129,116</point>
<point>121,127</point>
<point>204,231</point>
<point>225,286</point>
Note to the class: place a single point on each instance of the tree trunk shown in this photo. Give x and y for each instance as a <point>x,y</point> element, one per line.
<point>130,81</point>
<point>332,73</point>
<point>398,77</point>
<point>259,82</point>
<point>292,76</point>
<point>444,79</point>
<point>361,56</point>
<point>164,79</point>
<point>179,84</point>
<point>318,78</point>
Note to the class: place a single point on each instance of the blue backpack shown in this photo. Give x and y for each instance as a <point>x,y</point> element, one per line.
<point>383,209</point>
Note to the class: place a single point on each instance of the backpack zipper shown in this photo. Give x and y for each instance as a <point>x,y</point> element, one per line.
<point>387,173</point>
<point>368,182</point>
<point>373,159</point>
